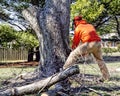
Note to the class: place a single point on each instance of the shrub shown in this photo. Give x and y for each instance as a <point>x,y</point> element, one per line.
<point>8,36</point>
<point>109,50</point>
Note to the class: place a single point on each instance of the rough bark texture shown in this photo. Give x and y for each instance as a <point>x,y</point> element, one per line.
<point>37,86</point>
<point>51,25</point>
<point>54,23</point>
<point>35,2</point>
<point>30,15</point>
<point>117,26</point>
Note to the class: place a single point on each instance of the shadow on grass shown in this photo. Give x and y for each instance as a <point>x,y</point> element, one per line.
<point>111,58</point>
<point>106,88</point>
<point>117,79</point>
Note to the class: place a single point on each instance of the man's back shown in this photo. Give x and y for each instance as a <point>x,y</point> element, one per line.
<point>87,33</point>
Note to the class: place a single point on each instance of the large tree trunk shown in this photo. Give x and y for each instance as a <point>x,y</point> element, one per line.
<point>54,25</point>
<point>51,25</point>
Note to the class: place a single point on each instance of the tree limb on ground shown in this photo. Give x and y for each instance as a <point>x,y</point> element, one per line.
<point>45,83</point>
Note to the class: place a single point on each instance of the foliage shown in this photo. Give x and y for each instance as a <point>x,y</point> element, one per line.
<point>6,34</point>
<point>112,6</point>
<point>21,6</point>
<point>108,27</point>
<point>109,50</point>
<point>10,37</point>
<point>26,39</point>
<point>89,9</point>
<point>18,6</point>
<point>118,47</point>
<point>100,13</point>
<point>15,38</point>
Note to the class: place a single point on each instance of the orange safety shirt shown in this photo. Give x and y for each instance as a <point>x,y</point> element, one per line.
<point>84,32</point>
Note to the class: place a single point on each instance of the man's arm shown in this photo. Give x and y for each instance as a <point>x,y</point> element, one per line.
<point>76,39</point>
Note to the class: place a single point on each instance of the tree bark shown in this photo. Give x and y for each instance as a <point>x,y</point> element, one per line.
<point>35,2</point>
<point>37,54</point>
<point>54,23</point>
<point>30,55</point>
<point>117,26</point>
<point>42,84</point>
<point>51,25</point>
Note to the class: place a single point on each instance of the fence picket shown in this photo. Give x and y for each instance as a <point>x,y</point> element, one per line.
<point>13,55</point>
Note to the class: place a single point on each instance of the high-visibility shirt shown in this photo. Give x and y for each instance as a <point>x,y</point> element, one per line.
<point>84,32</point>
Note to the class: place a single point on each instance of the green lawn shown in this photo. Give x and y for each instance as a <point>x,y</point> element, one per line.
<point>94,69</point>
<point>108,88</point>
<point>6,73</point>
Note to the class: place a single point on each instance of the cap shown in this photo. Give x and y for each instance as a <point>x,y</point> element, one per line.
<point>77,18</point>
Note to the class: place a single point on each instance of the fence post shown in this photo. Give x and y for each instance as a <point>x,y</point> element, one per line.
<point>13,55</point>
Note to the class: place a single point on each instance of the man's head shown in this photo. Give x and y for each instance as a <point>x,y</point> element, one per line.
<point>77,18</point>
<point>76,21</point>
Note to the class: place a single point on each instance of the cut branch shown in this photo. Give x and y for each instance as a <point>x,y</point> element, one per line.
<point>45,83</point>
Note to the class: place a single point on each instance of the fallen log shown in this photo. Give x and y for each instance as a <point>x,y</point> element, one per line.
<point>45,83</point>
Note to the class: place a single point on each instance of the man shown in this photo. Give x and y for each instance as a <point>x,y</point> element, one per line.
<point>86,41</point>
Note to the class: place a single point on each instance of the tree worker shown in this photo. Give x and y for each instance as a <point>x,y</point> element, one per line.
<point>85,41</point>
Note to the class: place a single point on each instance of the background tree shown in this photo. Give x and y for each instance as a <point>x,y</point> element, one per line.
<point>38,3</point>
<point>13,18</point>
<point>51,25</point>
<point>98,12</point>
<point>17,39</point>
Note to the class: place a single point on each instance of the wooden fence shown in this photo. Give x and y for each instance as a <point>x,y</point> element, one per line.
<point>13,55</point>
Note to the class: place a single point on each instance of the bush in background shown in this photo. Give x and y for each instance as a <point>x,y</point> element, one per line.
<point>109,50</point>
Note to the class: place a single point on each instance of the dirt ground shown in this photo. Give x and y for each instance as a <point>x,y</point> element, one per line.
<point>19,64</point>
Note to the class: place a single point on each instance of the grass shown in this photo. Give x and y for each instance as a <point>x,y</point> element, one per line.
<point>11,72</point>
<point>12,61</point>
<point>94,69</point>
<point>108,88</point>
